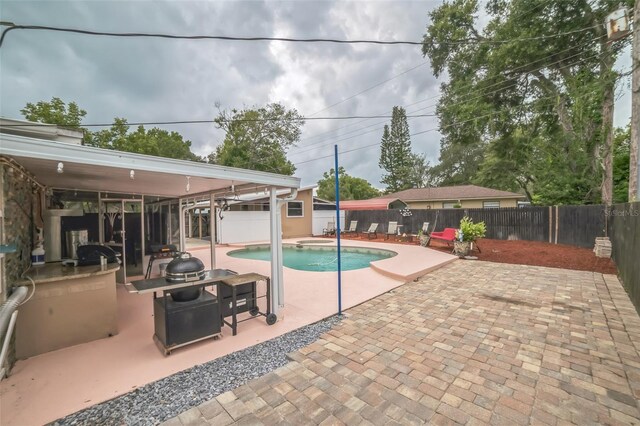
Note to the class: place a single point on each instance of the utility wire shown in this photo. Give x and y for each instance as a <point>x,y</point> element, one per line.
<point>370,88</point>
<point>435,128</point>
<point>11,26</point>
<point>543,4</point>
<point>482,92</point>
<point>520,67</point>
<point>231,120</point>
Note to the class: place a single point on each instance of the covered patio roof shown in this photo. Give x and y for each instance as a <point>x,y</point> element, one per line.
<point>62,165</point>
<point>373,204</point>
<point>96,169</point>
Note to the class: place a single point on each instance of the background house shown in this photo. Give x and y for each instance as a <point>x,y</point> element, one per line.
<point>447,197</point>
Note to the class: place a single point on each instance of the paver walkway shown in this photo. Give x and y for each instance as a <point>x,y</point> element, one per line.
<point>471,343</point>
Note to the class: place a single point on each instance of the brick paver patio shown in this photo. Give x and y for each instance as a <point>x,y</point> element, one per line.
<point>471,343</point>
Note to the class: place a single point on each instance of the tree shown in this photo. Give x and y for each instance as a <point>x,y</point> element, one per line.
<point>421,173</point>
<point>395,153</point>
<point>621,153</point>
<point>458,164</point>
<point>547,85</point>
<point>351,188</point>
<point>54,112</point>
<point>157,142</point>
<point>258,139</point>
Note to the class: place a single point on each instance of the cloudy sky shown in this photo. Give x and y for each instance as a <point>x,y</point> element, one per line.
<point>143,79</point>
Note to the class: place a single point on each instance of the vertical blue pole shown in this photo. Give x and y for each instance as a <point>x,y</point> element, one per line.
<point>335,148</point>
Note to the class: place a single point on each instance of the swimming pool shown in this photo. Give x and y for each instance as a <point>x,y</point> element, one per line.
<point>318,259</point>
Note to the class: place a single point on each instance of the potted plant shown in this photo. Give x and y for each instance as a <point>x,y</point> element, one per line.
<point>468,233</point>
<point>423,238</point>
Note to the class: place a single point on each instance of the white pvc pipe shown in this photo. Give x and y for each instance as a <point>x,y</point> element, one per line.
<point>8,314</point>
<point>5,344</point>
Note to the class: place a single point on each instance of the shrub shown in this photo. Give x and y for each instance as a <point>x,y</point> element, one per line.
<point>472,231</point>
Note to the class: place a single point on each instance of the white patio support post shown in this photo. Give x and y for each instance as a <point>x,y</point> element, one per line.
<point>212,228</point>
<point>277,296</point>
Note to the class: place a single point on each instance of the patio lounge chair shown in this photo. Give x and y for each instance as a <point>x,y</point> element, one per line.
<point>352,227</point>
<point>425,228</point>
<point>373,230</point>
<point>448,235</point>
<point>425,231</point>
<point>392,229</point>
<point>329,230</point>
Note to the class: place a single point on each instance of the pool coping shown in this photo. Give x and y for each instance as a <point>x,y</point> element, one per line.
<point>402,267</point>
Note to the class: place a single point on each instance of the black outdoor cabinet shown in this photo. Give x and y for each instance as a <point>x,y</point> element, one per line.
<point>245,296</point>
<point>178,323</point>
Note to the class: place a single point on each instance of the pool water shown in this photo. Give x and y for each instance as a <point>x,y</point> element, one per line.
<point>318,259</point>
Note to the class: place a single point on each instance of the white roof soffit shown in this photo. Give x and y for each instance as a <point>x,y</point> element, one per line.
<point>96,169</point>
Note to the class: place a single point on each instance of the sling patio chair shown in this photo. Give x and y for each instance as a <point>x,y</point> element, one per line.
<point>425,228</point>
<point>352,227</point>
<point>373,230</point>
<point>392,229</point>
<point>329,230</point>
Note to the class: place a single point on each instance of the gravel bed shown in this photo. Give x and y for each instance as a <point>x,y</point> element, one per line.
<point>168,397</point>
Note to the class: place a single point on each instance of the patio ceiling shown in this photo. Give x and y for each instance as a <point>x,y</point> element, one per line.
<point>95,169</point>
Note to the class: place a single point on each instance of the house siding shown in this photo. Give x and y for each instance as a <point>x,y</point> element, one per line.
<point>294,227</point>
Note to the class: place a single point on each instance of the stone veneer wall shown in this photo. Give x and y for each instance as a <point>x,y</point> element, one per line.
<point>18,200</point>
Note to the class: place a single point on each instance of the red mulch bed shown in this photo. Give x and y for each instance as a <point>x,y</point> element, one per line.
<point>534,253</point>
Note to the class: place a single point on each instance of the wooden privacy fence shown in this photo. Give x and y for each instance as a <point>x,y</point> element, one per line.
<point>623,222</point>
<point>574,225</point>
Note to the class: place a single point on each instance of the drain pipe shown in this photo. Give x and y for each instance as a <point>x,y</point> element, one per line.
<point>8,315</point>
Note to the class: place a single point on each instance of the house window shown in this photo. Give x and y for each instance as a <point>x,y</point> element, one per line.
<point>491,204</point>
<point>295,209</point>
<point>450,205</point>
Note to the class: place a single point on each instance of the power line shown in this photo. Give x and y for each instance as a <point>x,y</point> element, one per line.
<point>11,26</point>
<point>370,88</point>
<point>434,129</point>
<point>465,87</point>
<point>481,92</point>
<point>231,120</point>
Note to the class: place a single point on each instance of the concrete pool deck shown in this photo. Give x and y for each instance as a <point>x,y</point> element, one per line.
<point>49,386</point>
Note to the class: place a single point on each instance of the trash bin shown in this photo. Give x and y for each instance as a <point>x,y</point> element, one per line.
<point>74,239</point>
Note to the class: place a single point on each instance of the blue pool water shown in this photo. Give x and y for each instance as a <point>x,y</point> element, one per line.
<point>318,259</point>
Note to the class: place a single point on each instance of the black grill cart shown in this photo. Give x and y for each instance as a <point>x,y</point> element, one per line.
<point>181,323</point>
<point>238,294</point>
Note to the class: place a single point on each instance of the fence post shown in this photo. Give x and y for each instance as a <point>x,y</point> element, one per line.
<point>557,217</point>
<point>550,224</point>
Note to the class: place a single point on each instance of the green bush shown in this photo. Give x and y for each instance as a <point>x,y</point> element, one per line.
<point>472,231</point>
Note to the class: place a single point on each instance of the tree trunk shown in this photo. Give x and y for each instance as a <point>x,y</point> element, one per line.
<point>609,83</point>
<point>607,147</point>
<point>634,173</point>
